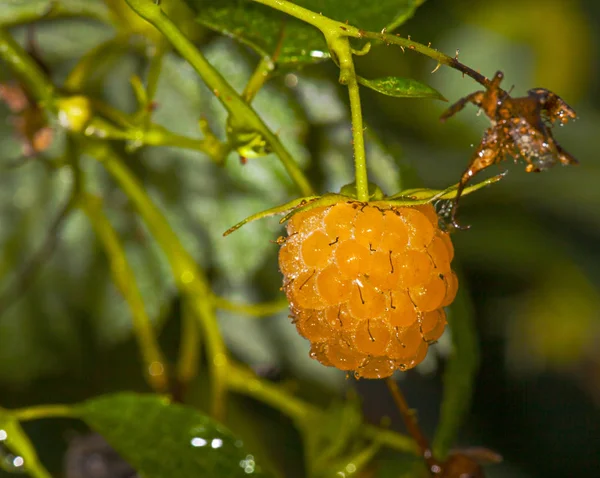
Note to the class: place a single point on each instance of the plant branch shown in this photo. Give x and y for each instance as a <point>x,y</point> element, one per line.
<point>332,28</point>
<point>124,277</point>
<point>29,272</point>
<point>29,72</point>
<point>189,277</point>
<point>245,382</point>
<point>348,77</point>
<point>264,309</point>
<point>245,116</point>
<point>189,352</point>
<point>38,412</point>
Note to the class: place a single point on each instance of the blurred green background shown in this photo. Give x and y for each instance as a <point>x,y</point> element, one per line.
<point>531,261</point>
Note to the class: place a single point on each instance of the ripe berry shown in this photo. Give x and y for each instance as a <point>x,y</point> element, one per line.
<point>367,284</point>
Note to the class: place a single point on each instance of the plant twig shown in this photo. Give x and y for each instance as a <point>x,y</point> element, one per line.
<point>247,383</point>
<point>348,77</point>
<point>155,365</point>
<point>29,72</point>
<point>229,98</point>
<point>190,279</point>
<point>331,28</point>
<point>189,352</point>
<point>264,309</point>
<point>26,276</point>
<point>412,426</point>
<point>38,412</point>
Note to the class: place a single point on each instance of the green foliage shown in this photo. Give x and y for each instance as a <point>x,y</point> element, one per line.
<point>126,212</point>
<point>290,42</point>
<point>159,438</point>
<point>401,88</point>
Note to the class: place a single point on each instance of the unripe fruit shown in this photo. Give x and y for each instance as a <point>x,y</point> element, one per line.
<point>367,284</point>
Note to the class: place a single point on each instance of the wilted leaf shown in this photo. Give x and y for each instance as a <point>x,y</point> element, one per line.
<point>401,87</point>
<point>162,440</point>
<point>263,28</point>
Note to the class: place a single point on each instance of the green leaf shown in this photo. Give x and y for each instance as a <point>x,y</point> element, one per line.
<point>263,28</point>
<point>163,440</point>
<point>424,195</point>
<point>401,88</point>
<point>23,456</point>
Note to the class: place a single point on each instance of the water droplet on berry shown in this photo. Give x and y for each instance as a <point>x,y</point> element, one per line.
<point>415,268</point>
<point>368,227</point>
<point>430,295</point>
<point>372,337</point>
<point>351,258</point>
<point>313,326</point>
<point>433,325</point>
<point>451,288</point>
<point>404,346</point>
<point>402,311</point>
<point>376,367</point>
<point>366,302</point>
<point>339,221</point>
<point>316,251</point>
<point>420,228</point>
<point>343,356</point>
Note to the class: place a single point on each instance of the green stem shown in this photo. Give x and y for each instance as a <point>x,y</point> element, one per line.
<point>19,443</point>
<point>154,135</point>
<point>28,71</point>
<point>42,411</point>
<point>358,139</point>
<point>189,350</point>
<point>332,28</point>
<point>60,9</point>
<point>155,68</point>
<point>258,79</point>
<point>228,97</point>
<point>189,277</point>
<point>124,277</point>
<point>264,309</point>
<point>326,25</point>
<point>245,382</point>
<point>441,58</point>
<point>92,61</point>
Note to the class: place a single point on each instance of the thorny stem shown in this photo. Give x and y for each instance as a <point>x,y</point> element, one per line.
<point>229,98</point>
<point>331,27</point>
<point>358,139</point>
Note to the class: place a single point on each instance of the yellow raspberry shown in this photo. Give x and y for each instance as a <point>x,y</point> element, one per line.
<point>367,284</point>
